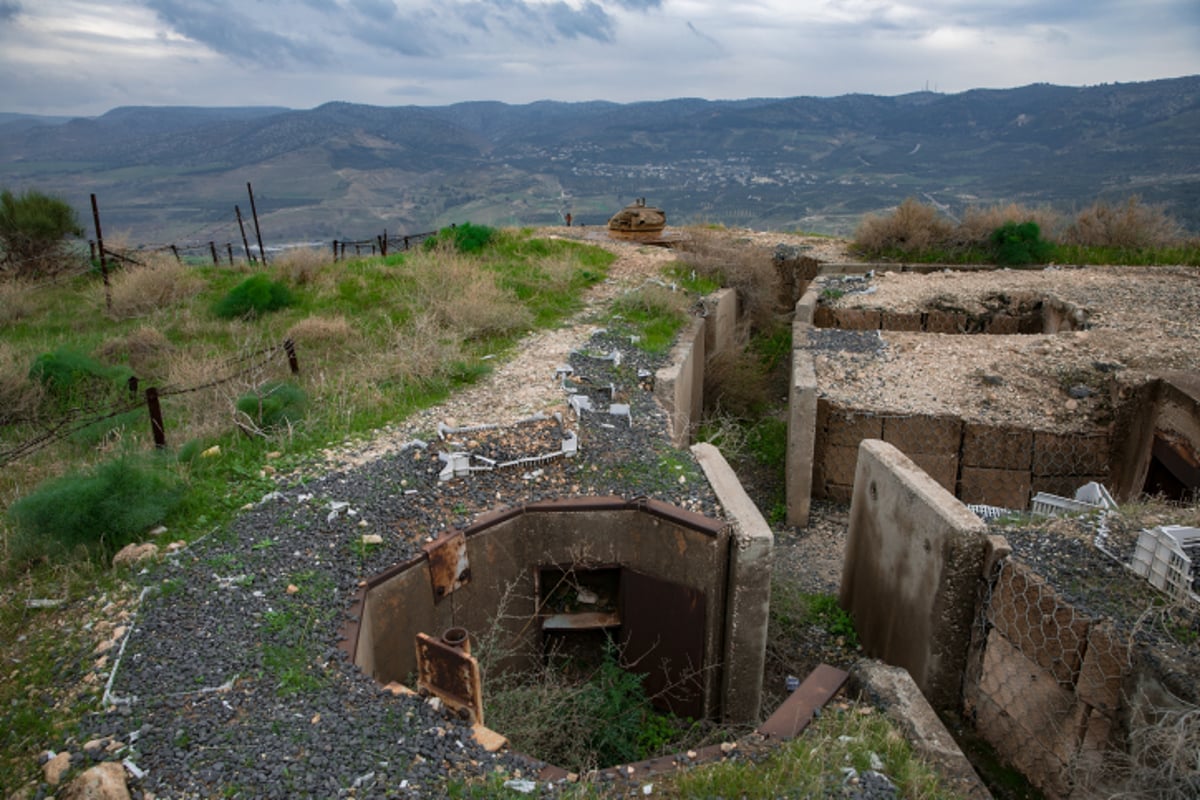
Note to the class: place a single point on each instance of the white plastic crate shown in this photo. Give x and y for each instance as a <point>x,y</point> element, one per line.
<point>1161,558</point>
<point>1089,497</point>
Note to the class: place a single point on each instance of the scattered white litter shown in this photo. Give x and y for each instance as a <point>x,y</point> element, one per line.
<point>522,786</point>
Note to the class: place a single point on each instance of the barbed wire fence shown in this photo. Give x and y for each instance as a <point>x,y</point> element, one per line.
<point>248,367</point>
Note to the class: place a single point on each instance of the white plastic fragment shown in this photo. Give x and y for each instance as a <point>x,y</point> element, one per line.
<point>523,786</point>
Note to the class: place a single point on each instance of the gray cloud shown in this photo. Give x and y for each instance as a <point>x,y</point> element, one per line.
<point>378,10</point>
<point>590,21</point>
<point>639,5</point>
<point>220,27</point>
<point>9,9</point>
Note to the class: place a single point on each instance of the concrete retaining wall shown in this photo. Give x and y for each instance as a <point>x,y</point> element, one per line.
<point>679,387</point>
<point>749,589</point>
<point>978,463</point>
<point>913,562</point>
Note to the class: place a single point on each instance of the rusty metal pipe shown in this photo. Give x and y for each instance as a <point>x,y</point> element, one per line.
<point>458,638</point>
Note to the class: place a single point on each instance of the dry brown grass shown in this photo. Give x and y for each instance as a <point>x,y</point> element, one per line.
<point>420,352</point>
<point>162,282</point>
<point>143,349</point>
<point>735,384</point>
<point>1132,224</point>
<point>464,297</point>
<point>321,330</point>
<point>912,227</point>
<point>18,300</point>
<point>714,254</point>
<point>979,222</point>
<point>20,398</point>
<point>301,266</point>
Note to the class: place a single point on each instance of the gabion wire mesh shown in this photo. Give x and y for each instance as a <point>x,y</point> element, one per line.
<point>1076,678</point>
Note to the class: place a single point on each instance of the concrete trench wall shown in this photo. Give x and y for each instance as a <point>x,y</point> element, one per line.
<point>1055,690</point>
<point>978,463</point>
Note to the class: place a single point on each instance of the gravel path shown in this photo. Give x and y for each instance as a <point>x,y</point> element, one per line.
<point>231,680</point>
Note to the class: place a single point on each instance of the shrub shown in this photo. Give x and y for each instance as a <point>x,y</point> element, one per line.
<point>465,238</point>
<point>144,289</point>
<point>68,374</point>
<point>979,222</point>
<point>301,265</point>
<point>142,348</point>
<point>253,297</point>
<point>1132,225</point>
<point>274,405</point>
<point>1016,243</point>
<point>911,228</point>
<point>602,720</point>
<point>727,261</point>
<point>33,227</point>
<point>100,510</point>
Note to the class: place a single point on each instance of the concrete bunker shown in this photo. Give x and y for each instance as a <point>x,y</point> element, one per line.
<point>1131,432</point>
<point>659,581</point>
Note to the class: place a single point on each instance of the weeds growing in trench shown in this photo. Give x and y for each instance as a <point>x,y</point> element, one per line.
<point>580,721</point>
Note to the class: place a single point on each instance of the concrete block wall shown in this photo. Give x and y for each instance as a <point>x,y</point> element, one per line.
<point>988,464</point>
<point>679,386</point>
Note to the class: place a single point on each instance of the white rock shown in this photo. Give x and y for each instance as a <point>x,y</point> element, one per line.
<point>134,553</point>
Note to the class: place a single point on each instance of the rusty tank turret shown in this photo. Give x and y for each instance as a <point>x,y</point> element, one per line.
<point>638,220</point>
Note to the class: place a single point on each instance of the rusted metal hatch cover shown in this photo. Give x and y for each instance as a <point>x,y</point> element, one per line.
<point>452,674</point>
<point>449,568</point>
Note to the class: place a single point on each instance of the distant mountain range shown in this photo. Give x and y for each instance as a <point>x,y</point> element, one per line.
<point>351,171</point>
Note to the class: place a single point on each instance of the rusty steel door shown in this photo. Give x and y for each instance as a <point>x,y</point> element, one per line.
<point>662,638</point>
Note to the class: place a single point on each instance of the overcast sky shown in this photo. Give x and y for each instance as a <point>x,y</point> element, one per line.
<point>83,57</point>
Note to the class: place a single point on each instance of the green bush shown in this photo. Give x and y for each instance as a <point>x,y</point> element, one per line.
<point>1017,243</point>
<point>253,297</point>
<point>466,238</point>
<point>100,510</point>
<point>276,404</point>
<point>68,373</point>
<point>33,227</point>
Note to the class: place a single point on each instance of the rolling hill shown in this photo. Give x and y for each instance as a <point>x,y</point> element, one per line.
<point>349,171</point>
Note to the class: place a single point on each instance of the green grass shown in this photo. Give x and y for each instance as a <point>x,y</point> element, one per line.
<point>351,373</point>
<point>652,314</point>
<point>811,765</point>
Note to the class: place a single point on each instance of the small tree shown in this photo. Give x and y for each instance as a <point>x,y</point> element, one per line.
<point>33,230</point>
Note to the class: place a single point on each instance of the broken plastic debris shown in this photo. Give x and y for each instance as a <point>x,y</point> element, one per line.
<point>522,786</point>
<point>580,403</point>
